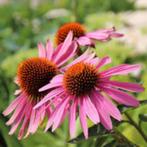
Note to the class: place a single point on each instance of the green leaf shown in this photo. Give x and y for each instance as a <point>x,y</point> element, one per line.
<point>143,117</point>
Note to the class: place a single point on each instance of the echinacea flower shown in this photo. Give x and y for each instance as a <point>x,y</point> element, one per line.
<point>32,74</point>
<point>82,37</point>
<point>85,90</point>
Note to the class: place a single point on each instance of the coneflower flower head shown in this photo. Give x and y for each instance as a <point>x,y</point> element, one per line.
<point>85,90</point>
<point>32,74</point>
<point>82,37</point>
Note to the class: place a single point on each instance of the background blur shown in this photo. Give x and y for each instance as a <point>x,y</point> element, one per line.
<point>24,23</point>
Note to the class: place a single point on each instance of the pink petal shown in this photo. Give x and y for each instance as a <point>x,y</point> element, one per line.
<point>120,70</point>
<point>90,110</point>
<point>59,113</point>
<point>98,35</point>
<point>37,121</point>
<point>17,122</point>
<point>49,50</point>
<point>25,122</point>
<point>110,30</point>
<point>58,108</point>
<point>105,34</point>
<point>81,58</point>
<point>103,61</point>
<point>65,46</point>
<point>32,119</point>
<point>43,113</point>
<point>49,96</point>
<point>134,87</point>
<point>103,113</point>
<point>42,51</point>
<point>111,108</point>
<point>51,119</point>
<point>84,41</point>
<point>122,97</point>
<point>49,86</point>
<point>13,105</point>
<point>17,112</point>
<point>82,116</point>
<point>57,79</point>
<point>72,118</point>
<point>56,51</point>
<point>68,55</point>
<point>116,34</point>
<point>55,82</point>
<point>22,129</point>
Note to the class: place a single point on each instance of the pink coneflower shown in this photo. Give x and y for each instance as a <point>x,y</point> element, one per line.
<point>86,90</point>
<point>32,74</point>
<point>83,38</point>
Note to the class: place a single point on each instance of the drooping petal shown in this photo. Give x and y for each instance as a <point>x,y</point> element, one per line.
<point>59,114</point>
<point>98,36</point>
<point>90,110</point>
<point>59,107</point>
<point>32,119</point>
<point>104,34</point>
<point>133,87</point>
<point>49,96</point>
<point>111,108</point>
<point>122,97</point>
<point>37,121</point>
<point>72,118</point>
<point>13,105</point>
<point>17,122</point>
<point>103,113</point>
<point>25,121</point>
<point>82,116</point>
<point>17,112</point>
<point>120,70</point>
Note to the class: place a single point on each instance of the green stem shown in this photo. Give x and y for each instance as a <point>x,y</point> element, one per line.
<point>132,122</point>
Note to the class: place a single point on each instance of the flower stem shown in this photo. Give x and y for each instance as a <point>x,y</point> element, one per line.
<point>132,122</point>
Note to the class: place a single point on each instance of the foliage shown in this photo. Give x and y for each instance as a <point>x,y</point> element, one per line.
<point>21,27</point>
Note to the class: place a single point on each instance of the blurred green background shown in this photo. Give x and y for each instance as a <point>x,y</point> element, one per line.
<point>24,23</point>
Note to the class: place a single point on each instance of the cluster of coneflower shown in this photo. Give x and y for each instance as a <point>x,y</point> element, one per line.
<point>65,82</point>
